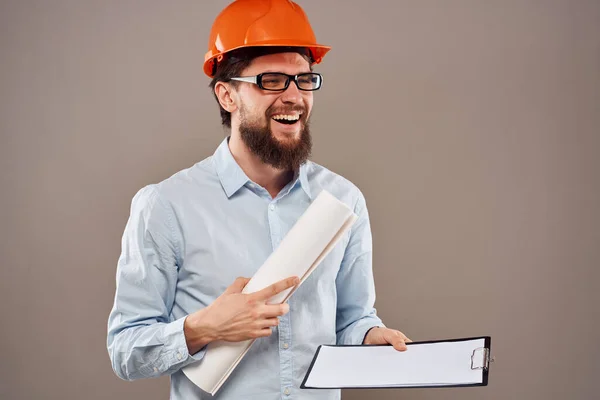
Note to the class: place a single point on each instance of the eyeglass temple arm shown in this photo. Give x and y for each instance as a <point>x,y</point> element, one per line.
<point>251,79</point>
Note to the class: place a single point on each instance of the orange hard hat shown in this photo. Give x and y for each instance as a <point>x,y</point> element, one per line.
<point>252,23</point>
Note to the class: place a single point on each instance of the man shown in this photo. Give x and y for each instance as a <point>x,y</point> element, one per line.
<point>189,236</point>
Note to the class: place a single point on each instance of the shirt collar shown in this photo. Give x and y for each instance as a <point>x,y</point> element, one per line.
<point>232,177</point>
<point>304,179</point>
<point>230,174</point>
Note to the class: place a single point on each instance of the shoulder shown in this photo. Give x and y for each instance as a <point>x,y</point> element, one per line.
<point>177,186</point>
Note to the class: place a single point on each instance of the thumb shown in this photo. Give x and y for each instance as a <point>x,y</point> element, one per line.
<point>237,286</point>
<point>396,339</point>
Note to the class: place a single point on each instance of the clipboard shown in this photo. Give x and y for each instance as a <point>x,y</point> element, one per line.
<point>461,362</point>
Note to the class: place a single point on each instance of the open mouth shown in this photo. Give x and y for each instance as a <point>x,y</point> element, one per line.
<point>286,119</point>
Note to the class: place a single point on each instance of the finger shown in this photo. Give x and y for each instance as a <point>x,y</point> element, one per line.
<point>275,288</point>
<point>271,322</point>
<point>275,310</point>
<point>238,285</point>
<point>262,332</point>
<point>403,336</point>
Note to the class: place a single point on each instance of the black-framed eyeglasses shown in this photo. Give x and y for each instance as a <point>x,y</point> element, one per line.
<point>277,81</point>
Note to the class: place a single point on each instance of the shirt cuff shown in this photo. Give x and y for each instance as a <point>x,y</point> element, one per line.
<point>175,337</point>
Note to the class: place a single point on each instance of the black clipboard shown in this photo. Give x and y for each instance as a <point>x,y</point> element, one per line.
<point>480,360</point>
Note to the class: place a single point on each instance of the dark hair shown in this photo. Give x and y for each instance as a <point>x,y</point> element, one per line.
<point>236,61</point>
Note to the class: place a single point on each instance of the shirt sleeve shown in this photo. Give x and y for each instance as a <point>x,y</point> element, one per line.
<point>142,339</point>
<point>356,313</point>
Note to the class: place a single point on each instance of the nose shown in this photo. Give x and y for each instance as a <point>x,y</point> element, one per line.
<point>291,94</point>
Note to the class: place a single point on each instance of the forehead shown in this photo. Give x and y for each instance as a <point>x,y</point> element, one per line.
<point>290,63</point>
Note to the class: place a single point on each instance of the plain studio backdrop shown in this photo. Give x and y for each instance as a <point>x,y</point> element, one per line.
<point>472,127</point>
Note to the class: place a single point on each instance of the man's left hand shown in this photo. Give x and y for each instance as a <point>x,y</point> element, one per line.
<point>387,336</point>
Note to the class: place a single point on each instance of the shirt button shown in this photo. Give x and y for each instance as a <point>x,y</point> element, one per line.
<point>285,345</point>
<point>179,356</point>
<point>287,391</point>
<point>271,207</point>
<point>155,369</point>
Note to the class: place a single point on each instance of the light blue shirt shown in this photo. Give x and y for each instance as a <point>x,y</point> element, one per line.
<point>188,238</point>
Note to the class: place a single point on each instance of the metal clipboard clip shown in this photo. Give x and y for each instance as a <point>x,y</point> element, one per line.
<point>480,359</point>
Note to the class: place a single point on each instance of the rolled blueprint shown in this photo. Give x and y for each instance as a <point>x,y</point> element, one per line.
<point>309,241</point>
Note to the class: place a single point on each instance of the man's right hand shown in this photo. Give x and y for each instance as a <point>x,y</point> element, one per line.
<point>235,317</point>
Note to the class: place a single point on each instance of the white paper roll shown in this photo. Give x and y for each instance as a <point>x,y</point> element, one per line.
<point>313,236</point>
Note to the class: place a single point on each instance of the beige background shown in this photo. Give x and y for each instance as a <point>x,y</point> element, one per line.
<point>473,128</point>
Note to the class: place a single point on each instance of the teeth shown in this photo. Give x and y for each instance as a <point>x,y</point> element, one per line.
<point>287,117</point>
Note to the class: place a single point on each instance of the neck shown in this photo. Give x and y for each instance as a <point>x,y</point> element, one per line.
<point>272,179</point>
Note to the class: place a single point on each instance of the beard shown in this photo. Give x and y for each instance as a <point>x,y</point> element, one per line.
<point>261,142</point>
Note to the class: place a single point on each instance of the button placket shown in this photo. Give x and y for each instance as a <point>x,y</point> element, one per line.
<point>275,227</point>
<point>285,355</point>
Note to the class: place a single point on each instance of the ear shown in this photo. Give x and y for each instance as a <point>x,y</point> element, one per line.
<point>226,95</point>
